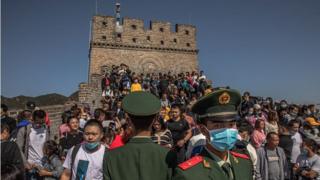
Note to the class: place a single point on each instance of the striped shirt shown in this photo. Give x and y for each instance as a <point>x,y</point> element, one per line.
<point>163,138</point>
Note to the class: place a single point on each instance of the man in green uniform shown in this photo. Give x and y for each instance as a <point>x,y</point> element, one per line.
<point>140,158</point>
<point>217,113</point>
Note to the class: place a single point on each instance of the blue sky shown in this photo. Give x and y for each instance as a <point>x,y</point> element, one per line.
<point>270,48</point>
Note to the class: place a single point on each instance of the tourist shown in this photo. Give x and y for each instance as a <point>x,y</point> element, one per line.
<point>181,132</point>
<point>160,134</point>
<point>5,119</point>
<point>272,122</point>
<point>64,127</point>
<point>84,161</point>
<point>308,162</point>
<point>31,140</point>
<point>272,162</point>
<point>294,126</point>
<point>100,115</point>
<point>135,86</point>
<point>10,153</point>
<point>243,144</point>
<point>258,135</point>
<point>286,141</point>
<point>11,172</point>
<point>71,138</point>
<point>51,166</point>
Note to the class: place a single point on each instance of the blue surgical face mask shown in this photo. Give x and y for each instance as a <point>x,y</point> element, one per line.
<point>223,139</point>
<point>91,145</point>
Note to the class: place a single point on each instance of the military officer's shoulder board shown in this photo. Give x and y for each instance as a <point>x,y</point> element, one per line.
<point>191,162</point>
<point>243,156</point>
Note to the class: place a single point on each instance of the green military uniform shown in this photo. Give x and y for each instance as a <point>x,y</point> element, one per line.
<point>140,158</point>
<point>219,106</point>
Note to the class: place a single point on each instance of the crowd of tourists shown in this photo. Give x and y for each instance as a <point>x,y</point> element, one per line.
<point>279,139</point>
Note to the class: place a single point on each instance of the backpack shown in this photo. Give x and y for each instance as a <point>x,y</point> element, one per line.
<point>14,134</point>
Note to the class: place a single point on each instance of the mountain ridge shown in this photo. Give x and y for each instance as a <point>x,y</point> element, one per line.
<point>18,102</point>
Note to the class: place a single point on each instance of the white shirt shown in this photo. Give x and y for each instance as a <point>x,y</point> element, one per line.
<point>37,138</point>
<point>90,163</point>
<point>296,148</point>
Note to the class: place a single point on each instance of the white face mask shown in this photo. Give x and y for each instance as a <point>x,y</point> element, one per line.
<point>308,112</point>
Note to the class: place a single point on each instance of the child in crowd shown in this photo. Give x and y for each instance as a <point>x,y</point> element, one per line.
<point>51,164</point>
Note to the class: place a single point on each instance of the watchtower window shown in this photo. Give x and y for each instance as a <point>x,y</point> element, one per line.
<point>134,40</point>
<point>187,32</point>
<point>175,40</point>
<point>161,29</point>
<point>119,35</point>
<point>104,37</point>
<point>148,38</point>
<point>188,44</point>
<point>134,27</point>
<point>161,42</point>
<point>104,23</point>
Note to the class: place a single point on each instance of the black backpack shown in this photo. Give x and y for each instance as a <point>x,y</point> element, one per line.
<point>14,133</point>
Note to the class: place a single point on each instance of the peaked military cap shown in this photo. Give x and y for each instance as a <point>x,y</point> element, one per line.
<point>141,104</point>
<point>220,105</point>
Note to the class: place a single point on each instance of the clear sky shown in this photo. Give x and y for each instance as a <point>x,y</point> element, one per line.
<point>270,48</point>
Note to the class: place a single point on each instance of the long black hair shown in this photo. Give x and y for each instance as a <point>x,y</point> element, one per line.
<point>162,123</point>
<point>52,147</point>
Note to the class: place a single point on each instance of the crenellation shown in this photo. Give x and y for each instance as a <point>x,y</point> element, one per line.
<point>158,35</point>
<point>157,48</point>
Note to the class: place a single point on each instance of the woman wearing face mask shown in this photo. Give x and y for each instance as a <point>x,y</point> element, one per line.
<point>308,162</point>
<point>217,115</point>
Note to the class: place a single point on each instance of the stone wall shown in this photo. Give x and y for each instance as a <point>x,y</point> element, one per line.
<point>143,60</point>
<point>90,93</point>
<point>156,48</point>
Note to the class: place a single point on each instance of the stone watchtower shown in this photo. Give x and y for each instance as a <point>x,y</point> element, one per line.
<point>153,49</point>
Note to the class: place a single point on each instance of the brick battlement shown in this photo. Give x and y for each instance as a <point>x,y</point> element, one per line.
<point>135,33</point>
